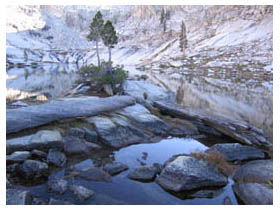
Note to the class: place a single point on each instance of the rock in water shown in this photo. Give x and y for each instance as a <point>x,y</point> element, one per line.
<point>145,173</point>
<point>115,168</point>
<point>18,197</point>
<point>81,192</point>
<point>187,173</point>
<point>94,174</point>
<point>237,152</point>
<point>43,139</point>
<point>56,158</point>
<point>57,186</point>
<point>253,193</point>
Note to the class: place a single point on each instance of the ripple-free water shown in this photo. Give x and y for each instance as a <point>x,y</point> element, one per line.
<point>122,190</point>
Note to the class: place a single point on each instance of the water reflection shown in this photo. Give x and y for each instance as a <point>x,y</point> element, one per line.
<point>239,95</point>
<point>53,79</point>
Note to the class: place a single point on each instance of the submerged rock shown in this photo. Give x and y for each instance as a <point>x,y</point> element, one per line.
<point>187,173</point>
<point>33,116</point>
<point>94,174</point>
<point>17,157</point>
<point>115,168</point>
<point>18,197</point>
<point>32,169</point>
<point>145,173</point>
<point>253,193</point>
<point>237,152</point>
<point>44,139</point>
<point>57,186</point>
<point>259,171</point>
<point>81,192</point>
<point>56,158</point>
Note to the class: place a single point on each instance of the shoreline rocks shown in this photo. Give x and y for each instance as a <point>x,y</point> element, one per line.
<point>44,139</point>
<point>187,173</point>
<point>235,152</point>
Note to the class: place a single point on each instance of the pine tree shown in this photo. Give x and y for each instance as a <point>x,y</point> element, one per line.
<point>183,38</point>
<point>95,29</point>
<point>109,37</point>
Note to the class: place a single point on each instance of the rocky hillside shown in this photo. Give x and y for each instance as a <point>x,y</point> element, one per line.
<point>57,34</point>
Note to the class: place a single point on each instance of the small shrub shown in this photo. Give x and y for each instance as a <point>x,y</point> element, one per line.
<point>99,76</point>
<point>216,159</point>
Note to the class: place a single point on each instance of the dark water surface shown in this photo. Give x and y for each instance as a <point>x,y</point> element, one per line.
<point>122,190</point>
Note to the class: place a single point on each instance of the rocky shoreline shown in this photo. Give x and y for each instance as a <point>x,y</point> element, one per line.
<point>119,121</point>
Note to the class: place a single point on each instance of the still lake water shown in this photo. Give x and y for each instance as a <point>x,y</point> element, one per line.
<point>122,190</point>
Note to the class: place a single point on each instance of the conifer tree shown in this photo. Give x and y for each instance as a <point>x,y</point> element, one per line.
<point>183,38</point>
<point>95,29</point>
<point>109,37</point>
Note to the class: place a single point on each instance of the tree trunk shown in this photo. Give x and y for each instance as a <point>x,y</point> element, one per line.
<point>97,50</point>
<point>184,54</point>
<point>110,63</point>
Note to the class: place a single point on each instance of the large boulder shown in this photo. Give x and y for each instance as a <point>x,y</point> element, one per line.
<point>259,171</point>
<point>237,152</point>
<point>253,193</point>
<point>183,172</point>
<point>117,132</point>
<point>18,197</point>
<point>44,139</point>
<point>138,90</point>
<point>144,119</point>
<point>33,116</point>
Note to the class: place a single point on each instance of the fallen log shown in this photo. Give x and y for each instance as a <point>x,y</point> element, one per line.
<point>237,130</point>
<point>33,116</point>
